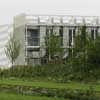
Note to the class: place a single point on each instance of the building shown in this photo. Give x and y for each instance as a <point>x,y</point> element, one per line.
<point>31,30</point>
<point>5,31</point>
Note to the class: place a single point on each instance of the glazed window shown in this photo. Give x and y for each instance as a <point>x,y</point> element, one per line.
<point>94,33</point>
<point>71,36</point>
<point>33,37</point>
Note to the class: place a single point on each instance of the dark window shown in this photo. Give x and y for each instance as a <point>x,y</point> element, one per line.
<point>33,37</point>
<point>94,33</point>
<point>61,35</point>
<point>70,37</point>
<point>73,33</point>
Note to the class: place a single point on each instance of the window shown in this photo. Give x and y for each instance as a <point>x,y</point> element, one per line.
<point>61,35</point>
<point>94,33</point>
<point>33,37</point>
<point>71,36</point>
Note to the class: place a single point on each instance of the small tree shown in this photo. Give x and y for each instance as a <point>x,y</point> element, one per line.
<point>80,51</point>
<point>12,49</point>
<point>53,47</point>
<point>93,56</point>
<point>86,57</point>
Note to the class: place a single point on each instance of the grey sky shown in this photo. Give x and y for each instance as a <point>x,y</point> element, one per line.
<point>10,8</point>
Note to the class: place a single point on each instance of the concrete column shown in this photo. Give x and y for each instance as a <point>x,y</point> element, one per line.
<point>77,31</point>
<point>88,31</point>
<point>95,33</point>
<point>42,40</point>
<point>99,31</point>
<point>65,37</point>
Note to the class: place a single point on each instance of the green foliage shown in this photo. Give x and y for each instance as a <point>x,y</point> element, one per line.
<point>85,60</point>
<point>53,46</point>
<point>94,53</point>
<point>75,94</point>
<point>54,72</point>
<point>9,96</point>
<point>83,64</point>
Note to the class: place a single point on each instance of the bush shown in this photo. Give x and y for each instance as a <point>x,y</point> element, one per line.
<point>51,72</point>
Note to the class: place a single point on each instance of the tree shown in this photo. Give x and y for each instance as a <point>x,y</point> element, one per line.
<point>80,51</point>
<point>86,55</point>
<point>12,49</point>
<point>53,47</point>
<point>93,57</point>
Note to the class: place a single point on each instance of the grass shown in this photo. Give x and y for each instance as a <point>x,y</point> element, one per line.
<point>47,84</point>
<point>9,96</point>
<point>42,84</point>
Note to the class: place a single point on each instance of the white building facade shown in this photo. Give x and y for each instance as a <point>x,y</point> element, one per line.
<point>31,30</point>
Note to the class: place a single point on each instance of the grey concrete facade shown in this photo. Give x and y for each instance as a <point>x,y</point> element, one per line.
<point>31,31</point>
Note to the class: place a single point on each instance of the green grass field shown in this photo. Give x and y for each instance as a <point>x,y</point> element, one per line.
<point>47,84</point>
<point>9,96</point>
<point>7,86</point>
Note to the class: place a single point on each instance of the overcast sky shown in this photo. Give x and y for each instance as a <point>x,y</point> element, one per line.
<point>10,8</point>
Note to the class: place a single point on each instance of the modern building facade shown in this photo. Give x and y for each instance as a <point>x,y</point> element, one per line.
<point>31,30</point>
